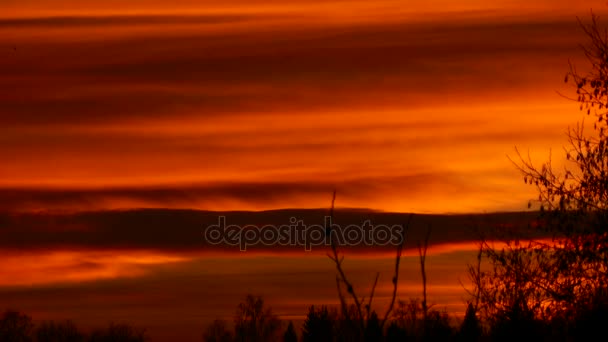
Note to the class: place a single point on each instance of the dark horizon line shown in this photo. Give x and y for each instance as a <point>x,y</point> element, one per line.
<point>277,210</point>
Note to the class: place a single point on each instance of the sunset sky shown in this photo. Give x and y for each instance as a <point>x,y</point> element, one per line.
<point>401,106</point>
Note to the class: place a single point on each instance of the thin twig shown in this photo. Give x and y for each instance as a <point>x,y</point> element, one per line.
<point>422,253</point>
<point>338,261</point>
<point>371,297</point>
<point>396,276</point>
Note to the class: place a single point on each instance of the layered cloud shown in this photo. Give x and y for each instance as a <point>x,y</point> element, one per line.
<point>154,269</point>
<point>252,105</point>
<point>242,110</point>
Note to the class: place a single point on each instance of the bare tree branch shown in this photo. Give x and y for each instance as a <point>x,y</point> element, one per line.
<point>396,276</point>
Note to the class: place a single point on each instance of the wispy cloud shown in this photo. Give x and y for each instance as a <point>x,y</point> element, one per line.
<point>272,107</point>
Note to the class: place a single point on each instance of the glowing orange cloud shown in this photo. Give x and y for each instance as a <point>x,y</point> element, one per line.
<point>69,266</point>
<point>271,104</point>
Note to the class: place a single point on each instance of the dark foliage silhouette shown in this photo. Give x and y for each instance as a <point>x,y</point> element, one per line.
<point>470,330</point>
<point>16,327</point>
<point>410,318</point>
<point>290,334</point>
<point>540,289</point>
<point>58,332</point>
<point>395,333</point>
<point>318,326</point>
<point>373,330</point>
<point>437,326</point>
<point>218,332</point>
<point>508,293</point>
<point>255,323</point>
<point>574,200</point>
<point>119,333</point>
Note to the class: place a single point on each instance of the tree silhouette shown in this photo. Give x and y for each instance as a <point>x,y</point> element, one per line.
<point>509,290</point>
<point>470,330</point>
<point>58,332</point>
<point>318,326</point>
<point>255,323</point>
<point>119,333</point>
<point>395,333</point>
<point>409,318</point>
<point>591,322</point>
<point>218,332</point>
<point>290,334</point>
<point>437,326</point>
<point>16,327</point>
<point>408,315</point>
<point>373,330</point>
<point>561,284</point>
<point>574,201</point>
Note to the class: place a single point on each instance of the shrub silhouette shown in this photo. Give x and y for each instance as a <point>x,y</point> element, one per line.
<point>318,326</point>
<point>373,330</point>
<point>516,324</point>
<point>118,333</point>
<point>255,323</point>
<point>592,320</point>
<point>470,330</point>
<point>58,332</point>
<point>290,334</point>
<point>437,326</point>
<point>508,291</point>
<point>409,319</point>
<point>218,332</point>
<point>16,327</point>
<point>395,333</point>
<point>408,316</point>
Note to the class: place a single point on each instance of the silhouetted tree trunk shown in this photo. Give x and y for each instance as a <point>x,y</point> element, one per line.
<point>290,334</point>
<point>362,313</point>
<point>422,254</point>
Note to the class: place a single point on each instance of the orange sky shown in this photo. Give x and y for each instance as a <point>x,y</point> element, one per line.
<point>271,104</point>
<point>404,106</point>
<point>153,268</point>
<point>174,300</point>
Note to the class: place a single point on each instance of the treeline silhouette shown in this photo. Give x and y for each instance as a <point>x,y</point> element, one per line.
<point>255,322</point>
<point>18,327</point>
